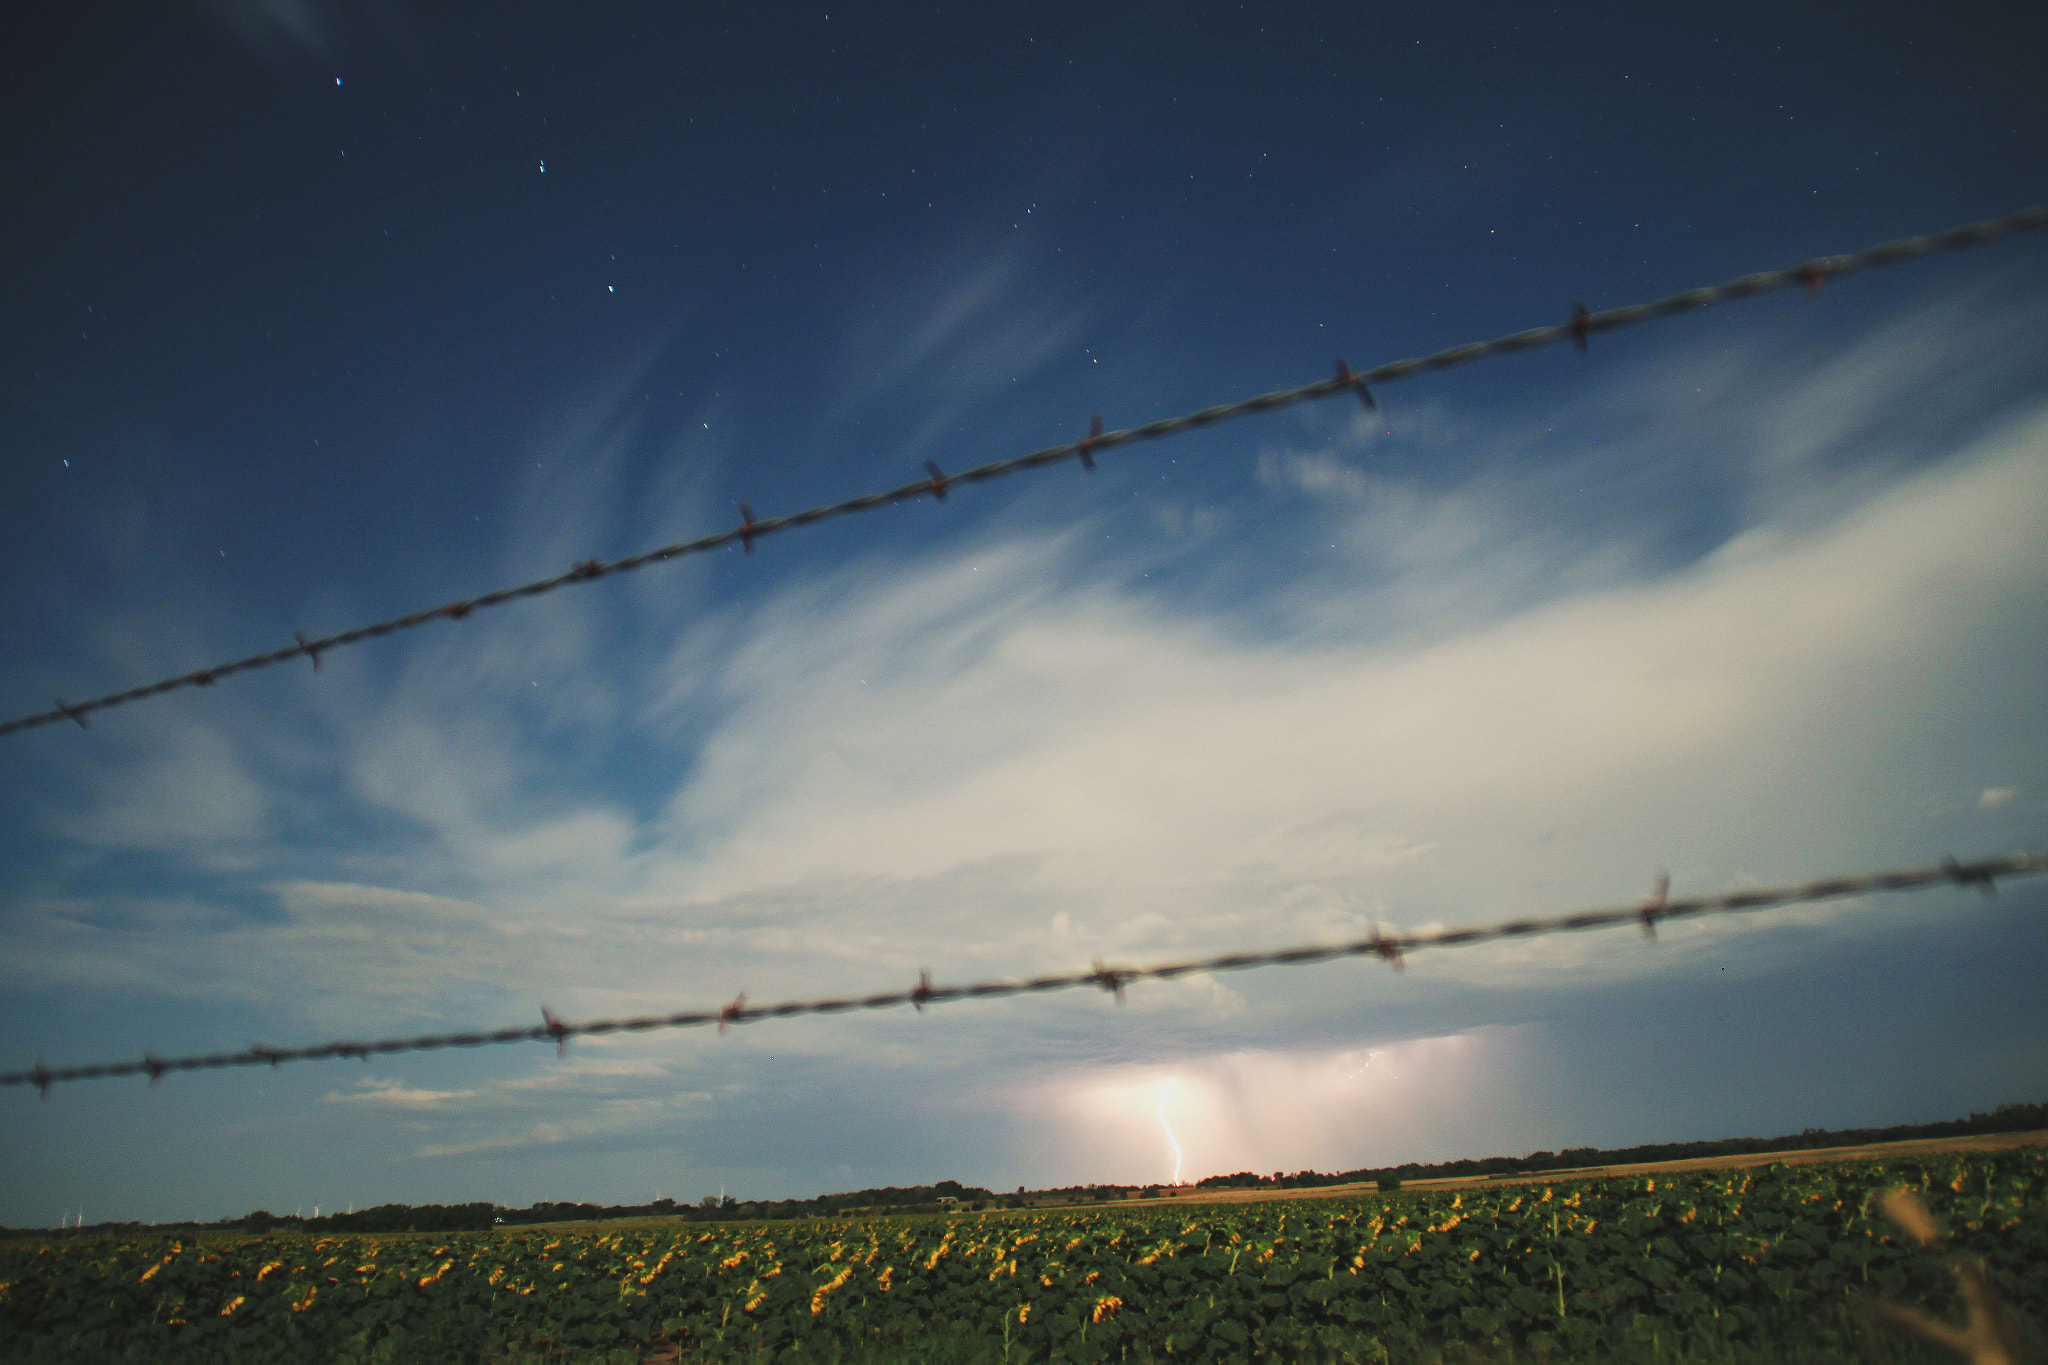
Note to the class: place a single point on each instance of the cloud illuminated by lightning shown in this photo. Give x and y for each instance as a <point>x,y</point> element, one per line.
<point>1166,1095</point>
<point>1370,1058</point>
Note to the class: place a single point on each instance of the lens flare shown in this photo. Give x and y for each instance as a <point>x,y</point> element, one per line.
<point>1172,1141</point>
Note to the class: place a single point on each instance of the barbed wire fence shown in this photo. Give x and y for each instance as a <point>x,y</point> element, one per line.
<point>1811,274</point>
<point>1391,948</point>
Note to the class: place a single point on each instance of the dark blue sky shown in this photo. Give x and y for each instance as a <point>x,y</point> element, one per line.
<point>316,313</point>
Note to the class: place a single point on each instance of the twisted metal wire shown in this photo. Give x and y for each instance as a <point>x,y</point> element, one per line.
<point>1391,948</point>
<point>1583,325</point>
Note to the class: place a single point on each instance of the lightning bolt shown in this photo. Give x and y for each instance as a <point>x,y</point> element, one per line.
<point>1172,1141</point>
<point>1370,1058</point>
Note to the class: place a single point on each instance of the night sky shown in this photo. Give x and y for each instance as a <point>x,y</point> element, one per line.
<point>320,313</point>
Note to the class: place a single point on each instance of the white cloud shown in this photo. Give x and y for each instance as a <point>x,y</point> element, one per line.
<point>293,35</point>
<point>605,1118</point>
<point>191,790</point>
<point>1318,473</point>
<point>336,955</point>
<point>996,761</point>
<point>922,769</point>
<point>1144,758</point>
<point>320,898</point>
<point>396,1094</point>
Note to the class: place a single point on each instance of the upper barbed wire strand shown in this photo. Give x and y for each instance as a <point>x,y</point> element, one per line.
<point>1810,274</point>
<point>1389,947</point>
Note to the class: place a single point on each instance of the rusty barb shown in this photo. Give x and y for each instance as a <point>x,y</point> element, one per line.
<point>1985,1338</point>
<point>1389,948</point>
<point>1581,326</point>
<point>1651,910</point>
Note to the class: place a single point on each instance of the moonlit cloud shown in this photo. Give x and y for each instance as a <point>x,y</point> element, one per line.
<point>994,760</point>
<point>292,34</point>
<point>396,1094</point>
<point>955,330</point>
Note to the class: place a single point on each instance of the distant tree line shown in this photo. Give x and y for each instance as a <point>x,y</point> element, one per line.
<point>386,1218</point>
<point>950,1194</point>
<point>2006,1118</point>
<point>713,1208</point>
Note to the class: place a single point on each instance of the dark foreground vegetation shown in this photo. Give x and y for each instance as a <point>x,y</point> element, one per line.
<point>1781,1263</point>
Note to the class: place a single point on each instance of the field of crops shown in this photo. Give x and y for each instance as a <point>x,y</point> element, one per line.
<point>1751,1259</point>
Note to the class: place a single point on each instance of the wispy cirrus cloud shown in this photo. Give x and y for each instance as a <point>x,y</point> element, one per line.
<point>578,1100</point>
<point>952,334</point>
<point>397,1094</point>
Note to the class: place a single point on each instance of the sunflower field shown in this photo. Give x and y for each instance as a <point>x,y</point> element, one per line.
<point>1745,1258</point>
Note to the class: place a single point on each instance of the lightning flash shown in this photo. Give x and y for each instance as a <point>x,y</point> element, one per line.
<point>1172,1141</point>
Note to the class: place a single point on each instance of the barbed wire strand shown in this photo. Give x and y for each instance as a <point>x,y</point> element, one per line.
<point>1583,325</point>
<point>1391,948</point>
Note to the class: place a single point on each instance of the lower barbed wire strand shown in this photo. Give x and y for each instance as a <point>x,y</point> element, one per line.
<point>1982,875</point>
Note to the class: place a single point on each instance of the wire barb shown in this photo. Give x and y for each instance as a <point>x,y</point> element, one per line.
<point>73,712</point>
<point>1650,909</point>
<point>921,992</point>
<point>1085,447</point>
<point>1582,325</point>
<point>1111,979</point>
<point>1963,876</point>
<point>747,532</point>
<point>308,648</point>
<point>1357,386</point>
<point>555,1029</point>
<point>735,1013</point>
